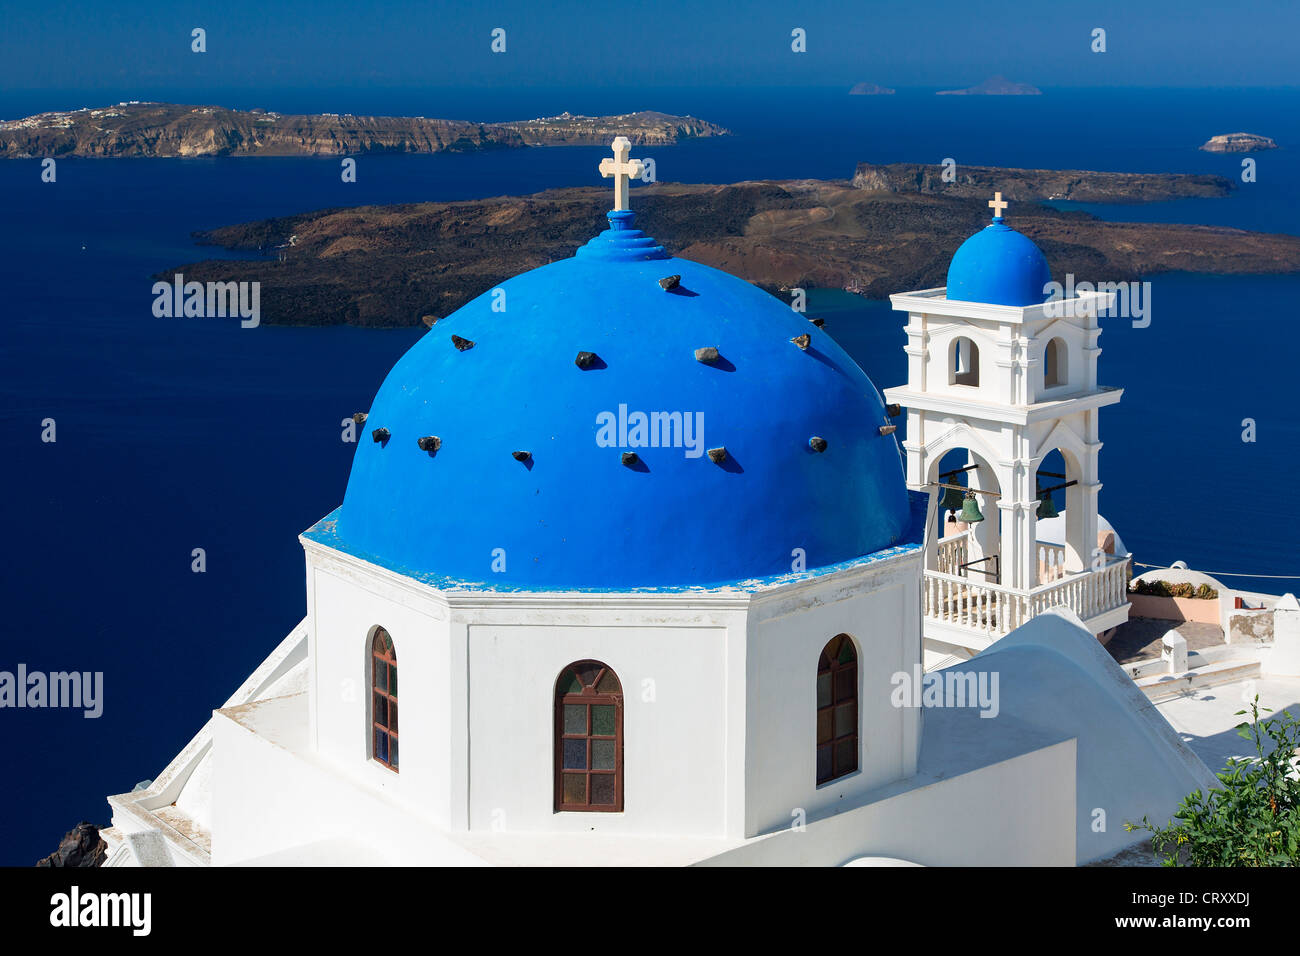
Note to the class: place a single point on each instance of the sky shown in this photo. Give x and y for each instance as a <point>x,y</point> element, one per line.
<point>141,50</point>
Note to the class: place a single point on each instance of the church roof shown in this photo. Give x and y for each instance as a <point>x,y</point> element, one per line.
<point>596,423</point>
<point>1053,676</point>
<point>999,266</point>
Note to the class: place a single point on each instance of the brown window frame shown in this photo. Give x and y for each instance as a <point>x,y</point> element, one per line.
<point>383,699</point>
<point>587,696</point>
<point>830,664</point>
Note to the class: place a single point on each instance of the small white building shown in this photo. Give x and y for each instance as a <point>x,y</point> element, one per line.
<point>630,546</point>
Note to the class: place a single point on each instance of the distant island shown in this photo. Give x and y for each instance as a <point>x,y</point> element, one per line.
<point>889,229</point>
<point>1076,185</point>
<point>870,89</point>
<point>1238,143</point>
<point>169,130</point>
<point>995,86</point>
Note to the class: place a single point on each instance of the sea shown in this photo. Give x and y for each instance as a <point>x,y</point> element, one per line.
<point>181,434</point>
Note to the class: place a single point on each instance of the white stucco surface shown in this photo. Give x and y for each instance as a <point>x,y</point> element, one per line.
<point>1207,720</point>
<point>1054,676</point>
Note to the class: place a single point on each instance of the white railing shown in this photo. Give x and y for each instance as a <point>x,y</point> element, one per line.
<point>994,609</point>
<point>988,608</point>
<point>1087,593</point>
<point>1051,562</point>
<point>953,552</point>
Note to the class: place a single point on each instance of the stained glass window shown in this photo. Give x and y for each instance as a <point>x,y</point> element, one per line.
<point>383,694</point>
<point>837,709</point>
<point>588,738</point>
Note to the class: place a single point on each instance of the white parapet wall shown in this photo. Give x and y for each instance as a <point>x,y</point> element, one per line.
<point>1284,658</point>
<point>1024,805</point>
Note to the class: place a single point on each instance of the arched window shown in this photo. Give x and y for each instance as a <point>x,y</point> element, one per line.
<point>1056,367</point>
<point>588,738</point>
<point>837,709</point>
<point>963,362</point>
<point>383,699</point>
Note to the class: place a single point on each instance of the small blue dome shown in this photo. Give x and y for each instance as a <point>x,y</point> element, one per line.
<point>999,266</point>
<point>527,486</point>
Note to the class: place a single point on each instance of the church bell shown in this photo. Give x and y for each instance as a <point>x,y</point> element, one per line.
<point>970,509</point>
<point>951,500</point>
<point>1046,508</point>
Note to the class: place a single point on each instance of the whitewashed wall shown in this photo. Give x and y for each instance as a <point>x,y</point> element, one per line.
<point>879,607</point>
<point>719,695</point>
<point>346,601</point>
<point>1017,812</point>
<point>676,695</point>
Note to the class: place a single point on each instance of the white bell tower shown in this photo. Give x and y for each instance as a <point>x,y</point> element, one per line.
<point>998,371</point>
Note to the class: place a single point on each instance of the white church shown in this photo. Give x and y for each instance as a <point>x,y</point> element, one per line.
<point>634,550</point>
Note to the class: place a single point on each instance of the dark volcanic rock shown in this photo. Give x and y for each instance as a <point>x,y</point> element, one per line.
<point>393,265</point>
<point>1078,185</point>
<point>80,847</point>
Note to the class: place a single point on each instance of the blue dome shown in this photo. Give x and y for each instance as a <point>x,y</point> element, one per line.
<point>999,266</point>
<point>571,513</point>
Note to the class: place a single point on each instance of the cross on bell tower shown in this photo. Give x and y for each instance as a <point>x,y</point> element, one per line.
<point>622,169</point>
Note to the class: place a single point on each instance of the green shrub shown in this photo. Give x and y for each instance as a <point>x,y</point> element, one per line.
<point>1253,819</point>
<point>1165,589</point>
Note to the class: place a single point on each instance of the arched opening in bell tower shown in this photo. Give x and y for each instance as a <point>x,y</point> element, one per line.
<point>970,521</point>
<point>964,362</point>
<point>1056,364</point>
<point>1060,548</point>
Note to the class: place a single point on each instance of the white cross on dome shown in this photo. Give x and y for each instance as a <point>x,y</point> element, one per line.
<point>622,169</point>
<point>997,204</point>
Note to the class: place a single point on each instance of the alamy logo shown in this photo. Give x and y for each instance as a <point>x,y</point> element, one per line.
<point>25,688</point>
<point>946,688</point>
<point>651,430</point>
<point>208,300</point>
<point>74,908</point>
<point>1132,300</point>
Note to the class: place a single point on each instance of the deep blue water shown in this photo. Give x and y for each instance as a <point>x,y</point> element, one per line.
<point>175,434</point>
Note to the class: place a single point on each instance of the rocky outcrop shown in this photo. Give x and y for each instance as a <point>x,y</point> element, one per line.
<point>1030,184</point>
<point>397,265</point>
<point>168,130</point>
<point>995,86</point>
<point>80,847</point>
<point>1238,143</point>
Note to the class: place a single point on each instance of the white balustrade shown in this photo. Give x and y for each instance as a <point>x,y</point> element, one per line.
<point>988,608</point>
<point>994,609</point>
<point>953,552</point>
<point>1051,562</point>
